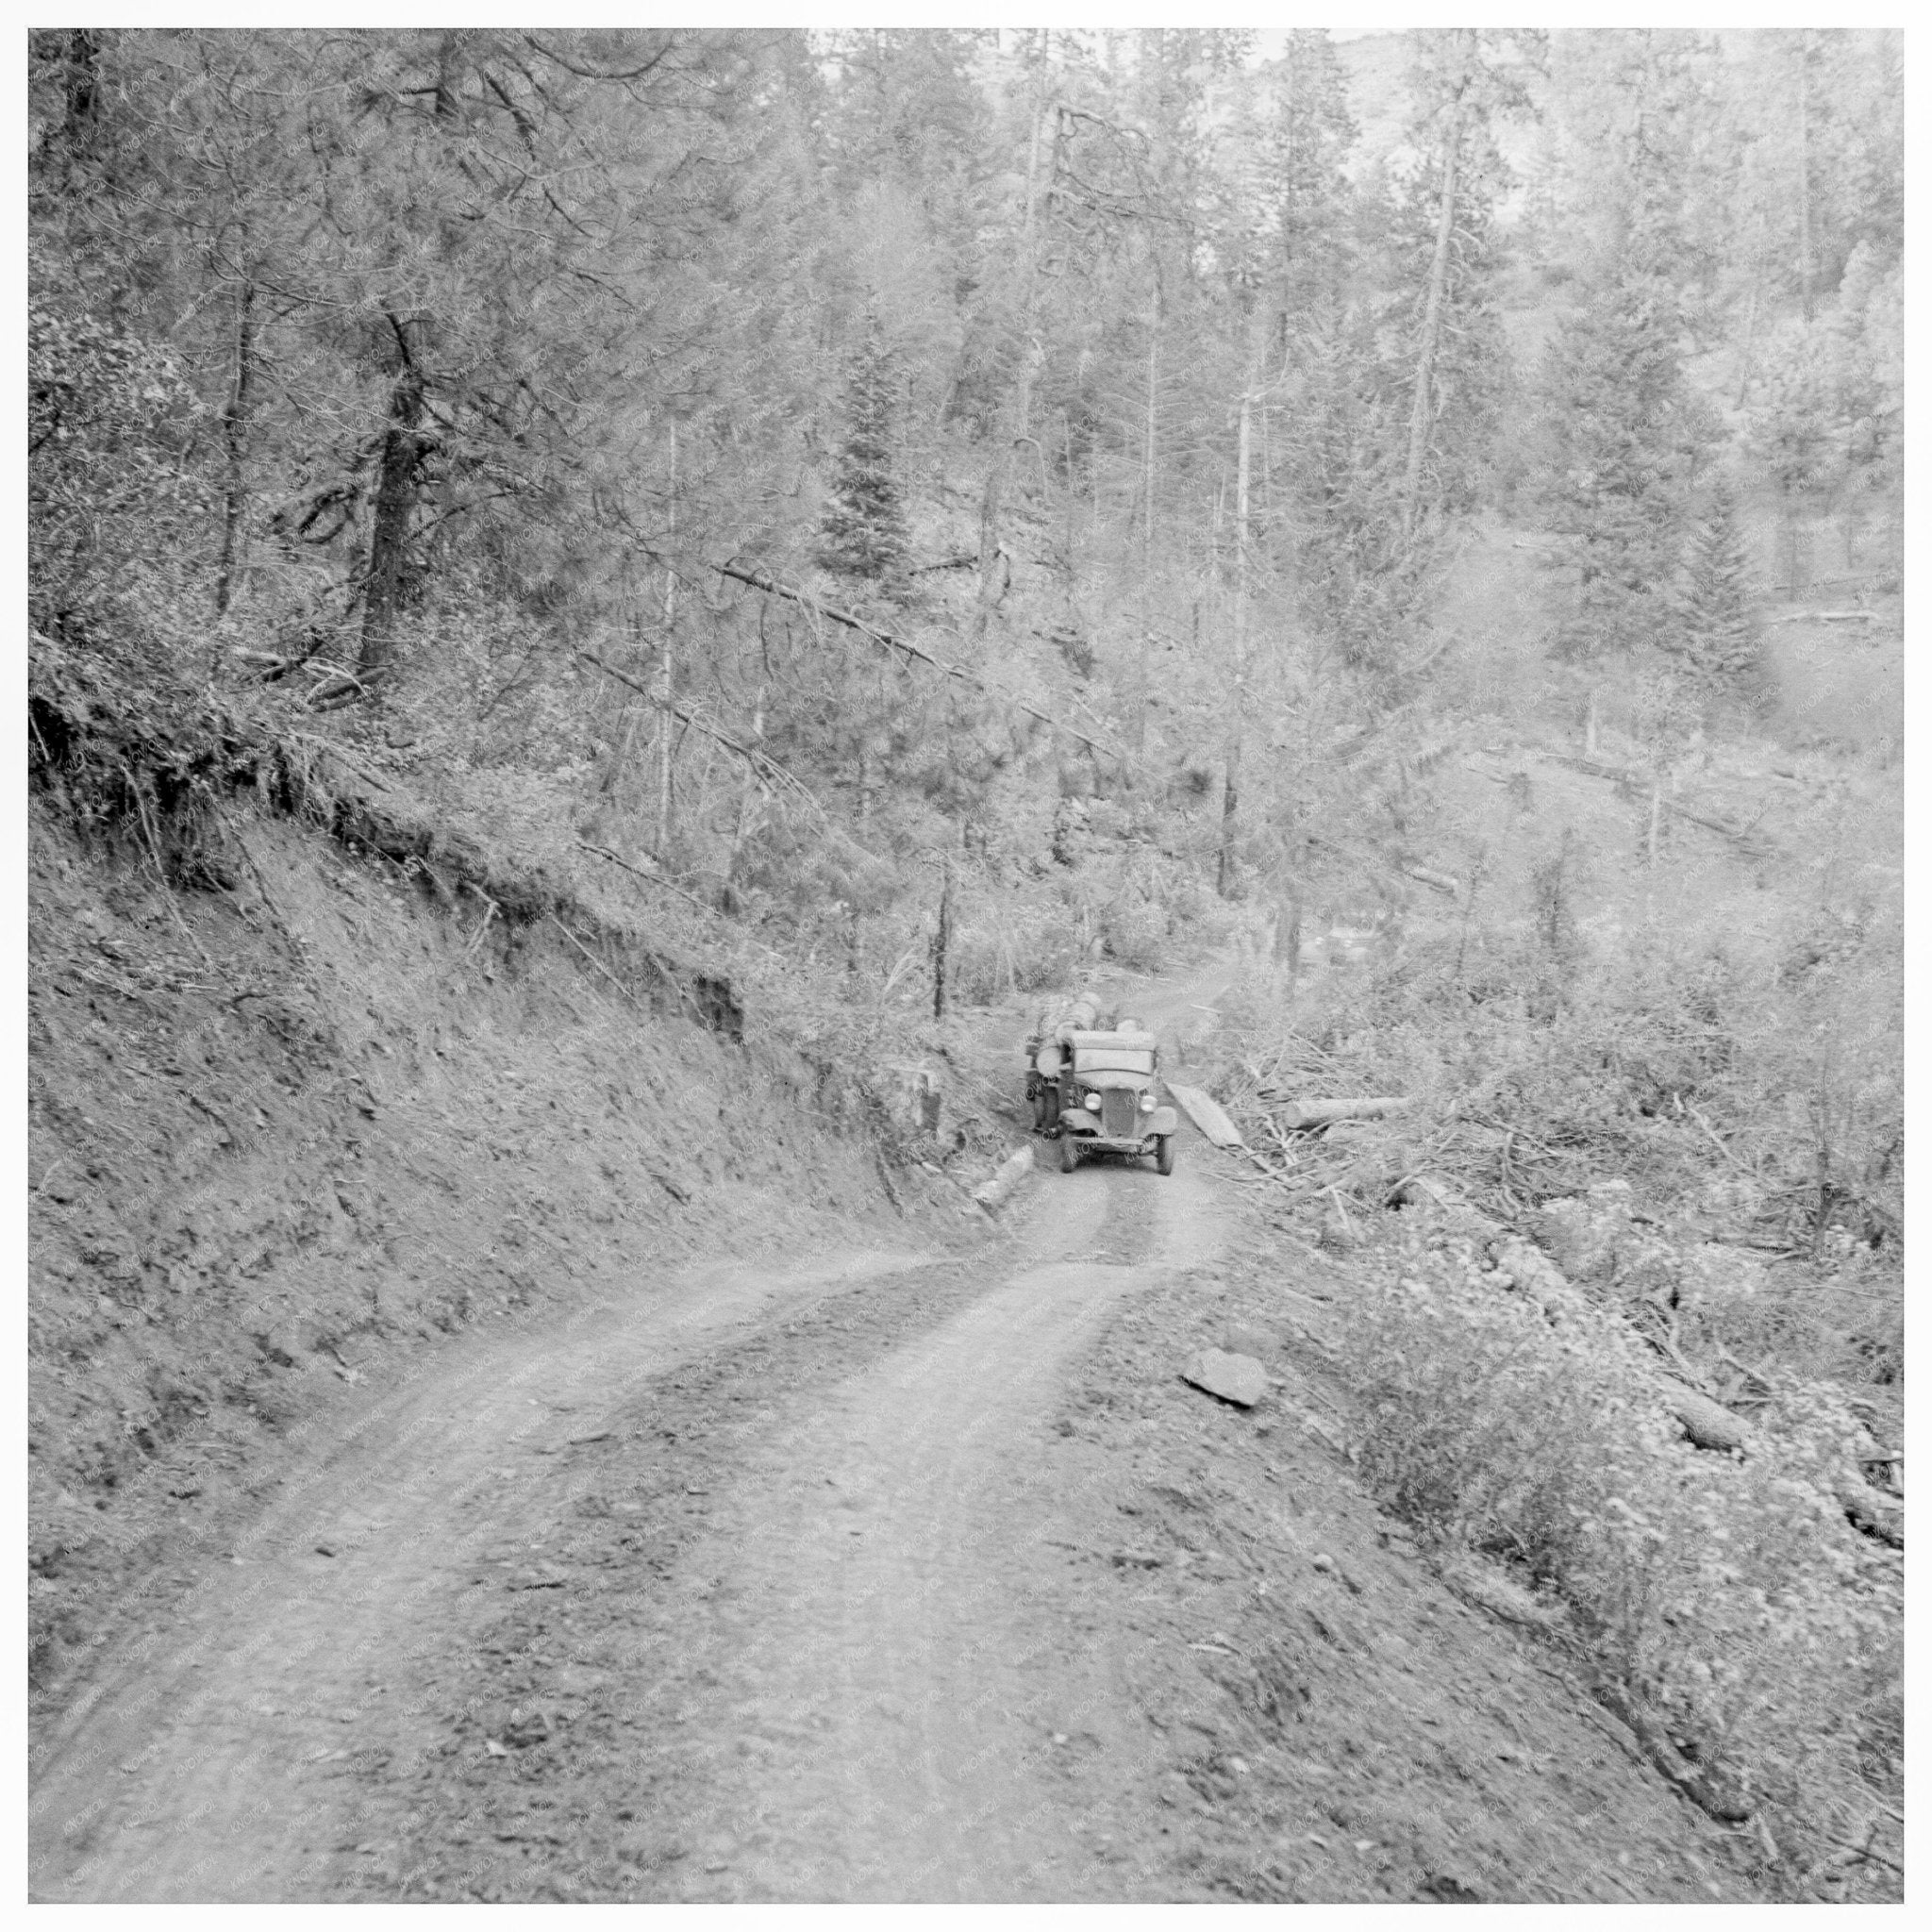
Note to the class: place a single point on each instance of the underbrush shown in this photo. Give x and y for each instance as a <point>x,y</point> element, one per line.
<point>1704,1135</point>
<point>1723,1603</point>
<point>1749,1097</point>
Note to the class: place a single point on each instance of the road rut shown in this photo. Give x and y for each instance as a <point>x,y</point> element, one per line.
<point>875,1722</point>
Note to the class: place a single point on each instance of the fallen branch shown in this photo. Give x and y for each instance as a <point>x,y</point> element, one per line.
<point>1709,1793</point>
<point>765,767</point>
<point>890,642</point>
<point>476,939</point>
<point>271,665</point>
<point>594,961</point>
<point>1711,1132</point>
<point>636,871</point>
<point>336,752</point>
<point>1321,1114</point>
<point>1596,768</point>
<point>335,689</point>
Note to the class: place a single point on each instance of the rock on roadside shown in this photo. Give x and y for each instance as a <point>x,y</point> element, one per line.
<point>1236,1378</point>
<point>1012,1171</point>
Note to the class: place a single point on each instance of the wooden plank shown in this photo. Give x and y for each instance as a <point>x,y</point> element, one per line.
<point>1206,1115</point>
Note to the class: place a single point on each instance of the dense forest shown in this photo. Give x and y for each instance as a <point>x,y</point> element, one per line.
<point>481,379</point>
<point>913,516</point>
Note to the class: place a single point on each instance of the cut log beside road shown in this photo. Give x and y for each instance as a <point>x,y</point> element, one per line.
<point>1706,1423</point>
<point>1709,1424</point>
<point>1206,1114</point>
<point>1012,1171</point>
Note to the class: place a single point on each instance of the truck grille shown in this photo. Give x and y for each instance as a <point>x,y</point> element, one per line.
<point>1120,1108</point>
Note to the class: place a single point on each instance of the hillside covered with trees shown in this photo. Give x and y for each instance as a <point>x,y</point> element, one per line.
<point>908,518</point>
<point>450,374</point>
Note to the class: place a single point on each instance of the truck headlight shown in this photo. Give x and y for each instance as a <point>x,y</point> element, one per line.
<point>1147,1102</point>
<point>1093,1101</point>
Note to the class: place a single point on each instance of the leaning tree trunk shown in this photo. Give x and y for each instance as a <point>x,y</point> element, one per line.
<point>941,945</point>
<point>993,506</point>
<point>1423,408</point>
<point>389,538</point>
<point>1238,696</point>
<point>666,677</point>
<point>234,441</point>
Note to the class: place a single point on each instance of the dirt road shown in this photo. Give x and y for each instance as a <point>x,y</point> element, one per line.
<point>891,1575</point>
<point>856,1595</point>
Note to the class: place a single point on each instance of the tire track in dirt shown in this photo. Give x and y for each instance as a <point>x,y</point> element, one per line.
<point>200,1768</point>
<point>241,1750</point>
<point>890,1700</point>
<point>262,1737</point>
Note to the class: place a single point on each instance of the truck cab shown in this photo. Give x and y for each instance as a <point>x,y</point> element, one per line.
<point>1097,1091</point>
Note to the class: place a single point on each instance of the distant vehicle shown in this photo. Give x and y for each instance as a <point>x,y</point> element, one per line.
<point>1095,1093</point>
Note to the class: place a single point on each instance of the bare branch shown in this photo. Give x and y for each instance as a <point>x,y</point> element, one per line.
<point>656,61</point>
<point>886,640</point>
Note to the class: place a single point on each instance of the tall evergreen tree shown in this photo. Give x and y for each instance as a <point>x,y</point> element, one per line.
<point>864,526</point>
<point>1464,81</point>
<point>1717,634</point>
<point>1627,431</point>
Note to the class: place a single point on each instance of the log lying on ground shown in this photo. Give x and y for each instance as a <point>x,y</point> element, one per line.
<point>1296,1114</point>
<point>1746,837</point>
<point>1706,1423</point>
<point>1872,1511</point>
<point>1012,1171</point>
<point>1428,875</point>
<point>1710,1425</point>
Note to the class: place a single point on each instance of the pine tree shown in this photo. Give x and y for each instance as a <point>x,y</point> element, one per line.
<point>1627,431</point>
<point>864,527</point>
<point>1717,634</point>
<point>1464,81</point>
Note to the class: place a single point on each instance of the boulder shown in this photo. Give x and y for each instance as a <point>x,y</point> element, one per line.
<point>1236,1378</point>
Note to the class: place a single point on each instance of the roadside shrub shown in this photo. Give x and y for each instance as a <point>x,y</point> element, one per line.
<point>1135,934</point>
<point>1016,941</point>
<point>1727,1601</point>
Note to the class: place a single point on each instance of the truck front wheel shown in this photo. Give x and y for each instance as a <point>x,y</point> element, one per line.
<point>1163,1152</point>
<point>1070,1151</point>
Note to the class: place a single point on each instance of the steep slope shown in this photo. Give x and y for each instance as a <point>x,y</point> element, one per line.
<point>284,1133</point>
<point>905,1578</point>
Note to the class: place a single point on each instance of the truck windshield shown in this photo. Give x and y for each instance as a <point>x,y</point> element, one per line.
<point>1113,1060</point>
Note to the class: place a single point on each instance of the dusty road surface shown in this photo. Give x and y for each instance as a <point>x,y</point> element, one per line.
<point>833,1589</point>
<point>882,1576</point>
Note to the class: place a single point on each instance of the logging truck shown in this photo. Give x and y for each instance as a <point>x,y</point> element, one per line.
<point>1094,1090</point>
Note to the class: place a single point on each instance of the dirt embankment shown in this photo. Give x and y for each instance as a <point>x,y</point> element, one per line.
<point>286,1136</point>
<point>915,1573</point>
<point>490,1439</point>
<point>901,1578</point>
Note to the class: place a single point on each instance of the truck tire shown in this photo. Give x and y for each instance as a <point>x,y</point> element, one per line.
<point>1070,1151</point>
<point>1163,1152</point>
